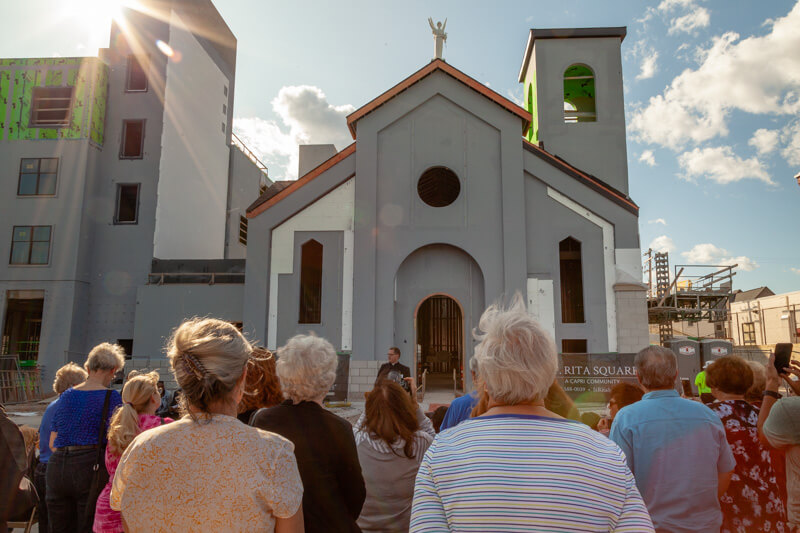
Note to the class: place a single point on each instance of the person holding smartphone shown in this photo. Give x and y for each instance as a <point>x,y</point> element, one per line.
<point>778,426</point>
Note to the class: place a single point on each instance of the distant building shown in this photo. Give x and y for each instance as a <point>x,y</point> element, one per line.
<point>765,319</point>
<point>109,162</point>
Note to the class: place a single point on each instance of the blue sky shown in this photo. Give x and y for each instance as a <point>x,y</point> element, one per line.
<point>712,96</point>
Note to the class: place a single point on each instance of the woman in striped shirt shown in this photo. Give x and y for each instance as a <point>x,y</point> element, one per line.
<point>518,466</point>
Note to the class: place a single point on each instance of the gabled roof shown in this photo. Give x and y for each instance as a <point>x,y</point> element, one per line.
<point>752,294</point>
<point>430,68</point>
<point>566,33</point>
<point>276,193</point>
<point>587,179</point>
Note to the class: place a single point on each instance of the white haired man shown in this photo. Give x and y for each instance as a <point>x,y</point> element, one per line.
<point>676,449</point>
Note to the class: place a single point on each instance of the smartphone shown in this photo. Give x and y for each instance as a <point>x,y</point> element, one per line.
<point>783,356</point>
<point>687,387</point>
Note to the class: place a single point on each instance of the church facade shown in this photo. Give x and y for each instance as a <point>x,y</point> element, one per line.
<point>452,197</point>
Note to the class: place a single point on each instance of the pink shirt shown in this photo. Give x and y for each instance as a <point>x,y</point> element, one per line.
<point>107,520</point>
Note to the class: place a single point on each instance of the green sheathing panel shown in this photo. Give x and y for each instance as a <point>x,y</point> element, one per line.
<point>99,99</point>
<point>533,107</point>
<point>88,76</point>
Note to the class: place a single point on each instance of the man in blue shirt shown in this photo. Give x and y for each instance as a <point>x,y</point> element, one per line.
<point>461,407</point>
<point>676,449</point>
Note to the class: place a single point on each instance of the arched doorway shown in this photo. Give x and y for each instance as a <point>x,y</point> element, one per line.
<point>440,342</point>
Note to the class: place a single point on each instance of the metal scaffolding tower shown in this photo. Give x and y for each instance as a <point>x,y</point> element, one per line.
<point>693,294</point>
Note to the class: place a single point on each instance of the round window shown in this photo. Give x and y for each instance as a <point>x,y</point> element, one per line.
<point>438,186</point>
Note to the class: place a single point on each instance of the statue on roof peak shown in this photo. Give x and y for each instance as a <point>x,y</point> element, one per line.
<point>439,37</point>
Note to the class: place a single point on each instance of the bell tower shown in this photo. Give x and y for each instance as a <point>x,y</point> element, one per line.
<point>573,89</point>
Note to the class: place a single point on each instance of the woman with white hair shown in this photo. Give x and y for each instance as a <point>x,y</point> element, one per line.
<point>518,466</point>
<point>80,418</point>
<point>208,471</point>
<point>324,444</point>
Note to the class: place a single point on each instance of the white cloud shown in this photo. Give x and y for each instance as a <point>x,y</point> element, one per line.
<point>791,139</point>
<point>710,254</point>
<point>719,164</point>
<point>517,95</point>
<point>657,221</point>
<point>649,66</point>
<point>310,119</point>
<point>648,158</point>
<point>764,140</point>
<point>757,74</point>
<point>669,5</point>
<point>688,23</point>
<point>662,244</point>
<point>795,270</point>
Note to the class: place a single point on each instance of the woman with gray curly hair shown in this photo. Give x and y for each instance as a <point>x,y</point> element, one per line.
<point>324,444</point>
<point>517,459</point>
<point>230,477</point>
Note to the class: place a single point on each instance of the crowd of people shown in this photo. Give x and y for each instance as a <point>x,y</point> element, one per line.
<point>256,450</point>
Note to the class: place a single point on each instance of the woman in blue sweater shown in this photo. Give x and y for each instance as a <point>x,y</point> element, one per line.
<point>74,439</point>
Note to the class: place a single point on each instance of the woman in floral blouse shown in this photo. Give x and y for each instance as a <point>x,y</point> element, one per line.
<point>752,501</point>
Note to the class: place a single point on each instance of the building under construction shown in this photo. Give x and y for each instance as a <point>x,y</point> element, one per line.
<point>689,295</point>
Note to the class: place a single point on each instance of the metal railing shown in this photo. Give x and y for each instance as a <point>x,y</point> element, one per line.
<point>239,143</point>
<point>209,278</point>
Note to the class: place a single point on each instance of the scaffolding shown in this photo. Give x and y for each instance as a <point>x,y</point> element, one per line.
<point>691,293</point>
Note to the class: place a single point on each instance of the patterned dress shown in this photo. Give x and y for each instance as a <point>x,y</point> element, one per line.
<point>752,501</point>
<point>107,520</point>
<point>221,475</point>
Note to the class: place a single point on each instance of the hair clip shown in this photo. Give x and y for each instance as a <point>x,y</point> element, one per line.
<point>194,366</point>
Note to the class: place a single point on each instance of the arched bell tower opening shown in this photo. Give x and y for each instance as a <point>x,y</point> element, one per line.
<point>440,341</point>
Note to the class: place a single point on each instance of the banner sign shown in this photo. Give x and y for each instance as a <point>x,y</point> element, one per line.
<point>589,377</point>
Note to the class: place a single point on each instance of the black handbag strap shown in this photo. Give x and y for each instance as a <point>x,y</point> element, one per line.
<point>101,449</point>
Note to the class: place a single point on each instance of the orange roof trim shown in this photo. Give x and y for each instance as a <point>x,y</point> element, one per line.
<point>425,71</point>
<point>263,203</point>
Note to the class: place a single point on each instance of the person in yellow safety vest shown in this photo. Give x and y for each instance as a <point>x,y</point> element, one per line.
<point>702,388</point>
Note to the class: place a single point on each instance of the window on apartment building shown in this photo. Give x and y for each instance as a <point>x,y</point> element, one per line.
<point>223,127</point>
<point>127,211</point>
<point>573,346</point>
<point>127,346</point>
<point>311,283</point>
<point>136,80</point>
<point>50,107</point>
<point>224,109</point>
<point>569,254</point>
<point>225,90</point>
<point>132,139</point>
<point>37,176</point>
<point>243,230</point>
<point>262,188</point>
<point>579,95</point>
<point>748,333</point>
<point>30,245</point>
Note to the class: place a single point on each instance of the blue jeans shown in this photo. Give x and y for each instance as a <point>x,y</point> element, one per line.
<point>69,481</point>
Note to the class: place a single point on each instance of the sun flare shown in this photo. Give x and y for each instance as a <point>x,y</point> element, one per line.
<point>95,16</point>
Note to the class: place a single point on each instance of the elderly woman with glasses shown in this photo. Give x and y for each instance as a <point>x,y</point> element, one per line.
<point>518,466</point>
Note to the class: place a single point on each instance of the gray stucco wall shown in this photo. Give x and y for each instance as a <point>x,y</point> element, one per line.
<point>330,326</point>
<point>244,179</point>
<point>595,147</point>
<point>256,303</point>
<point>549,223</point>
<point>64,279</point>
<point>162,308</point>
<point>438,121</point>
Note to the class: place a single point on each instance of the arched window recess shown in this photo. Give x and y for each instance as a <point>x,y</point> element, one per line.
<point>579,95</point>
